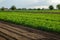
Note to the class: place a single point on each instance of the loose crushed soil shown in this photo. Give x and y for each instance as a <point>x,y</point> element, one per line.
<point>9,31</point>
<point>1,38</point>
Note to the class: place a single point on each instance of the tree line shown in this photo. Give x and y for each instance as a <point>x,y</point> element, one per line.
<point>51,7</point>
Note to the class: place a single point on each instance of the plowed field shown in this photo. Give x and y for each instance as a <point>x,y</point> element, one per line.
<point>16,32</point>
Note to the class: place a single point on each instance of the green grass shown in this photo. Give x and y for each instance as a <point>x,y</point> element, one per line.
<point>47,22</point>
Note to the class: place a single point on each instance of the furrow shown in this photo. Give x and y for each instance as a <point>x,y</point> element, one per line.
<point>6,37</point>
<point>12,34</point>
<point>2,38</point>
<point>24,33</point>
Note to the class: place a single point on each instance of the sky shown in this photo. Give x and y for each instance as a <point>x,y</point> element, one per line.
<point>29,3</point>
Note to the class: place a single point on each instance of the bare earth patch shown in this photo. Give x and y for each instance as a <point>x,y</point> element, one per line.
<point>10,31</point>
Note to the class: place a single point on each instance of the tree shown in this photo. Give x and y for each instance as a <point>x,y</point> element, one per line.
<point>2,8</point>
<point>58,6</point>
<point>38,8</point>
<point>13,7</point>
<point>51,7</point>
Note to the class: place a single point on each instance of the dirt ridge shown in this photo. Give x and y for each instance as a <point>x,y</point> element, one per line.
<point>18,32</point>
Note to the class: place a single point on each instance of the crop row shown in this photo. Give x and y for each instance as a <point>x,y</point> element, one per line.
<point>47,22</point>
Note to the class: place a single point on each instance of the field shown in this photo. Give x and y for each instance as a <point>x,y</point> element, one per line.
<point>41,21</point>
<point>9,31</point>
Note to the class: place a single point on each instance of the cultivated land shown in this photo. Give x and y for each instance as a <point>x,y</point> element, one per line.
<point>40,21</point>
<point>10,31</point>
<point>11,28</point>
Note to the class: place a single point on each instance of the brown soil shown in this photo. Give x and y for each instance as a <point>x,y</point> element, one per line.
<point>10,31</point>
<point>1,38</point>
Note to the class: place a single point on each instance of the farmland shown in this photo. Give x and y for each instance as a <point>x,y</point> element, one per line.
<point>40,21</point>
<point>29,20</point>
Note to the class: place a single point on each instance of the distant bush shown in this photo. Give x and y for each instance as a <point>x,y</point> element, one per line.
<point>24,9</point>
<point>4,9</point>
<point>38,8</point>
<point>19,9</point>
